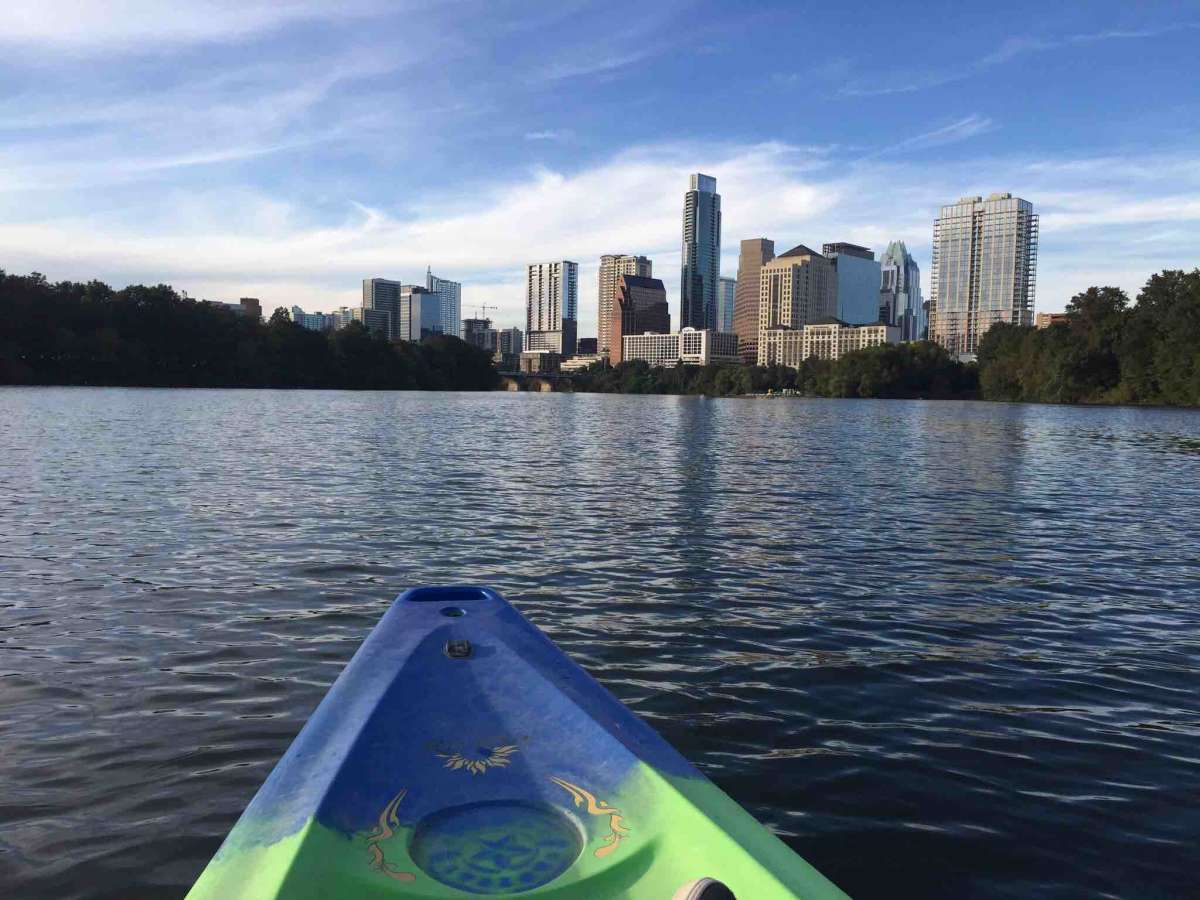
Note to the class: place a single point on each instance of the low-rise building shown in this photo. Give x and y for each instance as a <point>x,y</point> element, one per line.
<point>540,362</point>
<point>580,361</point>
<point>1045,320</point>
<point>828,338</point>
<point>689,347</point>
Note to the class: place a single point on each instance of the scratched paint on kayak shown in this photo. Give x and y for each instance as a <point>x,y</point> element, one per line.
<point>509,771</point>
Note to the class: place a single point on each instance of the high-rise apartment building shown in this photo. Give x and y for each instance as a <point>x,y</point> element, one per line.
<point>450,298</point>
<point>984,269</point>
<point>640,306</point>
<point>857,282</point>
<point>795,288</point>
<point>900,300</point>
<point>754,252</point>
<point>701,254</point>
<point>726,298</point>
<point>612,267</point>
<point>384,294</point>
<point>551,305</point>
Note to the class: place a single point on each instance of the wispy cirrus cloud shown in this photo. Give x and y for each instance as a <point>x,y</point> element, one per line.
<point>961,130</point>
<point>557,135</point>
<point>1010,49</point>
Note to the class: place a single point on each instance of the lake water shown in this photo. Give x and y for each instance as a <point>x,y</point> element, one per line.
<point>943,649</point>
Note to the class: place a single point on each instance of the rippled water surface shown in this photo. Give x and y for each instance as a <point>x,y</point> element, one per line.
<point>945,650</point>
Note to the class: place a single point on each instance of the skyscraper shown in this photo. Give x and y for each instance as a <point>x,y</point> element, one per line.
<point>384,294</point>
<point>420,313</point>
<point>900,300</point>
<point>701,254</point>
<point>551,304</point>
<point>754,253</point>
<point>450,298</point>
<point>640,306</point>
<point>984,269</point>
<point>795,289</point>
<point>612,267</point>
<point>857,282</point>
<point>726,298</point>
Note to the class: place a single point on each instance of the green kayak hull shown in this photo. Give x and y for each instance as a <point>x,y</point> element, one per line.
<point>462,754</point>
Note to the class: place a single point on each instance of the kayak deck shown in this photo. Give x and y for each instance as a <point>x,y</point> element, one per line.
<point>461,753</point>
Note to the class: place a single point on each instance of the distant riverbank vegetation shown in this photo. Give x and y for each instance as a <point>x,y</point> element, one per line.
<point>895,370</point>
<point>88,334</point>
<point>1104,351</point>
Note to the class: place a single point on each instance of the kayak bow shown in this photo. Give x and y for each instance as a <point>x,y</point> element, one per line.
<point>461,753</point>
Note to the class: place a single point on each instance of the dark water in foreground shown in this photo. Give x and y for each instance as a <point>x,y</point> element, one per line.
<point>945,650</point>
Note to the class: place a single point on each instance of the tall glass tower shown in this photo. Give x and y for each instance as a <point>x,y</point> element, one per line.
<point>450,296</point>
<point>698,283</point>
<point>900,301</point>
<point>984,269</point>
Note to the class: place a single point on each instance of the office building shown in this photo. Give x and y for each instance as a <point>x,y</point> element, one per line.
<point>858,276</point>
<point>701,254</point>
<point>828,338</point>
<point>509,344</point>
<point>754,252</point>
<point>420,312</point>
<point>383,294</point>
<point>449,295</point>
<point>510,341</point>
<point>640,305</point>
<point>795,288</point>
<point>313,321</point>
<point>612,267</point>
<point>376,321</point>
<point>689,347</point>
<point>984,269</point>
<point>900,300</point>
<point>551,305</point>
<point>587,345</point>
<point>1045,320</point>
<point>480,333</point>
<point>726,298</point>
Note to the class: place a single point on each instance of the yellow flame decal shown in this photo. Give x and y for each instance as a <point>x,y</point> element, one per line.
<point>595,807</point>
<point>388,823</point>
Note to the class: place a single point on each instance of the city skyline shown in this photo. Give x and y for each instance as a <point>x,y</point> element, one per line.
<point>292,180</point>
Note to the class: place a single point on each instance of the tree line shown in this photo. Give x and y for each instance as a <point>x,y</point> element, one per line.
<point>893,371</point>
<point>69,333</point>
<point>1106,350</point>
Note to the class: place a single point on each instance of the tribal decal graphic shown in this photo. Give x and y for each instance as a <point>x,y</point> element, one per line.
<point>388,823</point>
<point>616,824</point>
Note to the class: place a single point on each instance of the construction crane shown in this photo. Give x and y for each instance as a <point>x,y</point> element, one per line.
<point>484,308</point>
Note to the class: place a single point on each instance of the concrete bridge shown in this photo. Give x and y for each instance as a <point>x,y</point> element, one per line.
<point>537,382</point>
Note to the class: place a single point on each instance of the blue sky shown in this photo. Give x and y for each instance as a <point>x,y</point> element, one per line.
<point>288,149</point>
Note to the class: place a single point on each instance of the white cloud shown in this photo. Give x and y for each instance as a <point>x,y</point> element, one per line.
<point>86,24</point>
<point>278,249</point>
